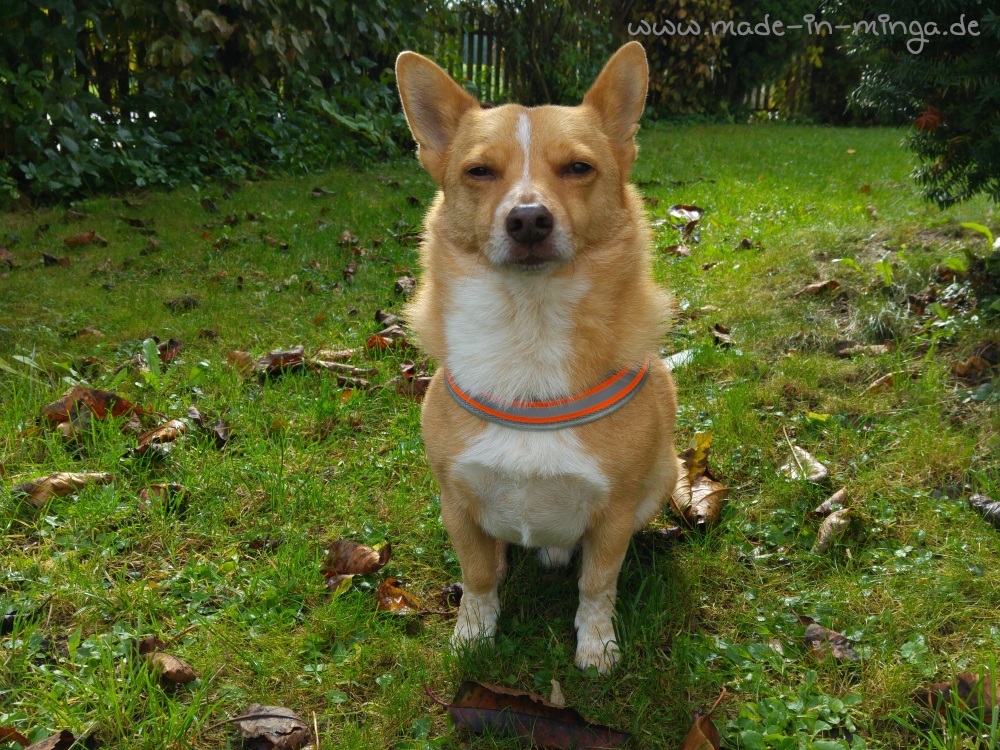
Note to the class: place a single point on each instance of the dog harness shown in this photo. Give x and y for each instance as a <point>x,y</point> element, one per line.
<point>603,399</point>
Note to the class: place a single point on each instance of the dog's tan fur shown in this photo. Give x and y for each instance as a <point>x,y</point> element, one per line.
<point>618,321</point>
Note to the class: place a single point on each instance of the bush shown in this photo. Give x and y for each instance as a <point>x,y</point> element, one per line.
<point>948,91</point>
<point>112,94</point>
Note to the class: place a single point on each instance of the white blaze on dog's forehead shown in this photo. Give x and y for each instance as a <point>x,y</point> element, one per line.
<point>523,136</point>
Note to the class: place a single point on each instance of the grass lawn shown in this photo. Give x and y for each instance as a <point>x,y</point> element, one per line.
<point>232,581</point>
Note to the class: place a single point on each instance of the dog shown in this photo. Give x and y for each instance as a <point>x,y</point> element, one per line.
<point>550,420</point>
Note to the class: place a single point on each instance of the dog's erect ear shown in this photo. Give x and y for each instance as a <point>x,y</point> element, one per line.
<point>619,93</point>
<point>433,105</point>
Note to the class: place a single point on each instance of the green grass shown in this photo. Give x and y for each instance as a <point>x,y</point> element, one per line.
<point>914,583</point>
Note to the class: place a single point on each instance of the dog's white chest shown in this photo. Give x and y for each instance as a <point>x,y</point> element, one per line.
<point>534,488</point>
<point>512,338</point>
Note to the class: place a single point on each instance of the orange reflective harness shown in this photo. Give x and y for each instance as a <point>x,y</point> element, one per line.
<point>599,401</point>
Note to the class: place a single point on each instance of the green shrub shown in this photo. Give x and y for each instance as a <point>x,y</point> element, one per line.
<point>947,89</point>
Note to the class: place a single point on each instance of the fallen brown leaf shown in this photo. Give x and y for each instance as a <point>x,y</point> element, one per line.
<point>509,713</point>
<point>451,595</point>
<point>844,349</point>
<point>51,260</point>
<point>336,355</point>
<point>698,497</point>
<point>986,505</point>
<point>681,251</point>
<point>172,670</point>
<point>160,436</point>
<point>272,728</point>
<point>37,492</point>
<point>800,464</point>
<point>824,642</point>
<point>968,691</point>
<point>393,598</point>
<point>9,734</point>
<point>64,740</point>
<point>886,381</point>
<point>833,527</point>
<point>405,285</point>
<point>81,239</point>
<point>835,502</point>
<point>183,304</point>
<point>721,335</point>
<point>685,213</point>
<point>703,735</point>
<point>100,403</point>
<point>349,270</point>
<point>220,429</point>
<point>972,369</point>
<point>350,558</point>
<point>818,287</point>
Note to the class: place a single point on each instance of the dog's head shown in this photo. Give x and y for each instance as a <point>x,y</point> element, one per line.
<point>527,189</point>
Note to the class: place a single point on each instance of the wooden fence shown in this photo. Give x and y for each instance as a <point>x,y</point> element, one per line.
<point>473,53</point>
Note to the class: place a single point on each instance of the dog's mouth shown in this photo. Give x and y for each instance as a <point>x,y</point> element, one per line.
<point>532,257</point>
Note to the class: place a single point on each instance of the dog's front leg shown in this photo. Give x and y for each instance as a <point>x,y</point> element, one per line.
<point>477,554</point>
<point>603,550</point>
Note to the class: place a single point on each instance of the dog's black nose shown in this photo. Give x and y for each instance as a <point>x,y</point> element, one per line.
<point>529,223</point>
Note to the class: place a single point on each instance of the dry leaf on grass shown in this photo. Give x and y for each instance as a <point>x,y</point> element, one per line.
<point>827,285</point>
<point>405,285</point>
<point>219,430</point>
<point>703,735</point>
<point>968,691</point>
<point>349,270</point>
<point>681,251</point>
<point>836,501</point>
<point>886,381</point>
<point>451,595</point>
<point>9,734</point>
<point>81,239</point>
<point>800,464</point>
<point>37,492</point>
<point>64,740</point>
<point>272,728</point>
<point>721,335</point>
<point>49,260</point>
<point>172,670</point>
<point>183,304</point>
<point>347,558</point>
<point>986,505</point>
<point>698,496</point>
<point>685,213</point>
<point>159,436</point>
<point>393,598</point>
<point>824,642</point>
<point>844,349</point>
<point>100,403</point>
<point>833,527</point>
<point>971,370</point>
<point>510,713</point>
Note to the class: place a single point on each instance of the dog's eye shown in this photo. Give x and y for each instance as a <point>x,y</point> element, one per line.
<point>579,168</point>
<point>479,173</point>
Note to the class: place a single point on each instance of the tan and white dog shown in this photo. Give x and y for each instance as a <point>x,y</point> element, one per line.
<point>550,422</point>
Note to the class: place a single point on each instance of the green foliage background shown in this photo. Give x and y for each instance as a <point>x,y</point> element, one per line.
<point>109,94</point>
<point>950,92</point>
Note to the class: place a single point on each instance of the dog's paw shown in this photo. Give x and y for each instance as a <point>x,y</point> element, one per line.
<point>593,650</point>
<point>477,619</point>
<point>555,557</point>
